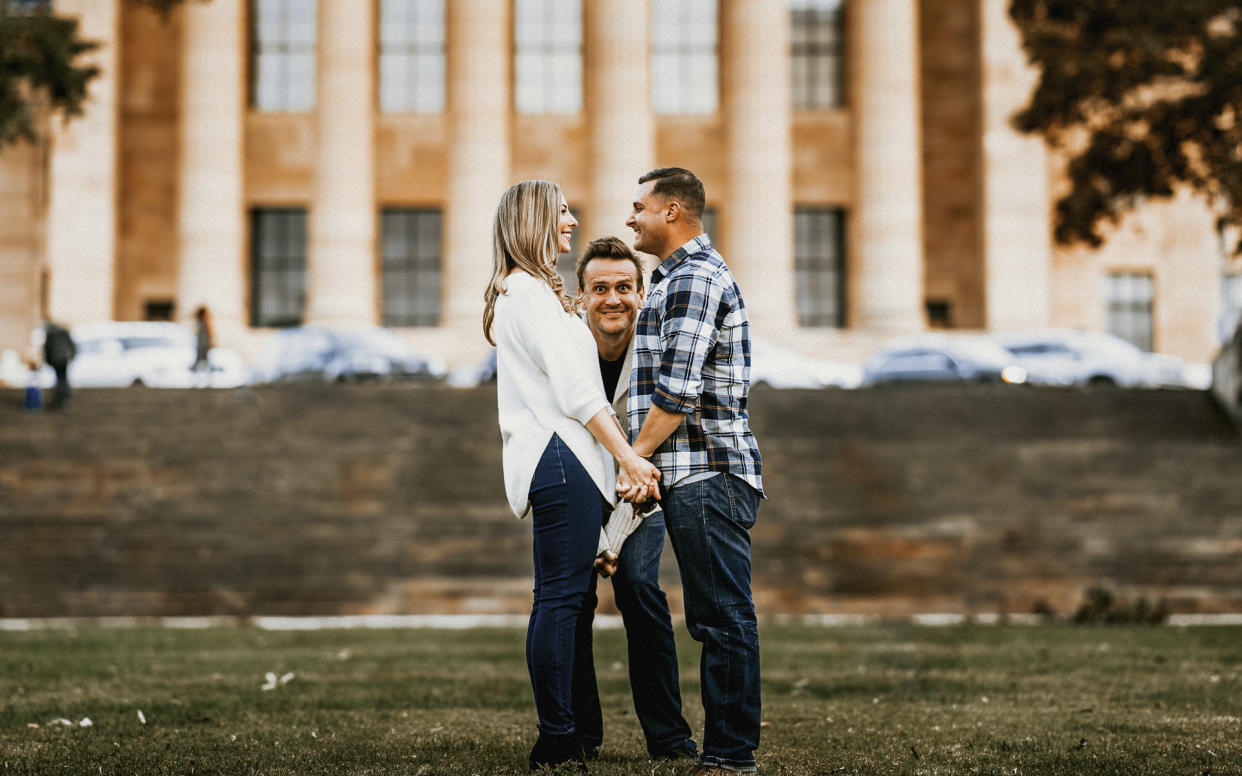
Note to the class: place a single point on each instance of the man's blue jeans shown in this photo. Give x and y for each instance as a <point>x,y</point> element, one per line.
<point>709,524</point>
<point>654,678</point>
<point>567,509</point>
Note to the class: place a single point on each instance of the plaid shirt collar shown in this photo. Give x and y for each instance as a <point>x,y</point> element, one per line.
<point>700,244</point>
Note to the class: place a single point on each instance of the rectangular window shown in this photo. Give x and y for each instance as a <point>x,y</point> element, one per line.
<point>1130,297</point>
<point>815,46</point>
<point>685,54</point>
<point>710,223</point>
<point>411,260</point>
<point>282,58</point>
<point>277,266</point>
<point>411,56</point>
<point>547,56</point>
<point>819,266</point>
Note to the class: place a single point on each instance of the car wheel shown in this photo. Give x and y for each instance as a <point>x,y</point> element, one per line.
<point>1101,380</point>
<point>137,383</point>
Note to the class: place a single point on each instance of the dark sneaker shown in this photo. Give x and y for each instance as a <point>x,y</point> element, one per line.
<point>687,752</point>
<point>552,751</point>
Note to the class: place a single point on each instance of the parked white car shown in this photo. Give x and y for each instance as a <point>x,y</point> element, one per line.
<point>781,367</point>
<point>1076,357</point>
<point>157,354</point>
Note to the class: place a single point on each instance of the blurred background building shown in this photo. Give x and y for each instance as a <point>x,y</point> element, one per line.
<point>339,161</point>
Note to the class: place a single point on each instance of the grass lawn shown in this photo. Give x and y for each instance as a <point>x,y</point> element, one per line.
<point>883,699</point>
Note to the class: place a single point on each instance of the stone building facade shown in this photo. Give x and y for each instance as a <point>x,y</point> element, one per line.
<point>339,161</point>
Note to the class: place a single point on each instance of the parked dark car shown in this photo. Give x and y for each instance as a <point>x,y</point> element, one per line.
<point>340,355</point>
<point>942,358</point>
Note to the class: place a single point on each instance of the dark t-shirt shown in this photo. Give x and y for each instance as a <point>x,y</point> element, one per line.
<point>611,371</point>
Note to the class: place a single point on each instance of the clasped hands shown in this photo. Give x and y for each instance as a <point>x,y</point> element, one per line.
<point>638,480</point>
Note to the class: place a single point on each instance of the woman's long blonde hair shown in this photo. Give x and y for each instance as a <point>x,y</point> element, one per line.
<point>525,236</point>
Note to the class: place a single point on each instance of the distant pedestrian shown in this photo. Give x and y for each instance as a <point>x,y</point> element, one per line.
<point>204,341</point>
<point>33,401</point>
<point>58,351</point>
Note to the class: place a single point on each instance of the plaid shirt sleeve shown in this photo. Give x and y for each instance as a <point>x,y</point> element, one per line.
<point>695,309</point>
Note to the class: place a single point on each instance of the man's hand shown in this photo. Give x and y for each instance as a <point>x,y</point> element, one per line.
<point>606,563</point>
<point>638,479</point>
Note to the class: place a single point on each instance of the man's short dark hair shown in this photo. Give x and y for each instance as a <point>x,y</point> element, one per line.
<point>680,184</point>
<point>613,249</point>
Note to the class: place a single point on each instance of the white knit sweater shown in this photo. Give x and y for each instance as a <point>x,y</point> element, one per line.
<point>547,381</point>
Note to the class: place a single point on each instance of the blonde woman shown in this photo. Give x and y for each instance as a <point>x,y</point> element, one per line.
<point>560,436</point>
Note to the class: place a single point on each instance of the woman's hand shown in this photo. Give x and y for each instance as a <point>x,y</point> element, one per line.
<point>637,479</point>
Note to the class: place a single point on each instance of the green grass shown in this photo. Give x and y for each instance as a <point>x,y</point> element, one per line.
<point>884,699</point>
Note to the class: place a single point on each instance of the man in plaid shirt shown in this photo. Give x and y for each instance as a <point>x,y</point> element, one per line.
<point>688,413</point>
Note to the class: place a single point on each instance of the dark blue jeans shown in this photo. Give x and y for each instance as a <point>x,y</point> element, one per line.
<point>709,524</point>
<point>567,511</point>
<point>654,679</point>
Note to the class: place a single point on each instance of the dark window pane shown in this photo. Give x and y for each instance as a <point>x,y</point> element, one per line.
<point>815,49</point>
<point>819,266</point>
<point>1130,301</point>
<point>278,266</point>
<point>411,266</point>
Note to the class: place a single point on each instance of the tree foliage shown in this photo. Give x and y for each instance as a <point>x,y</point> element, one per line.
<point>1144,96</point>
<point>37,63</point>
<point>40,64</point>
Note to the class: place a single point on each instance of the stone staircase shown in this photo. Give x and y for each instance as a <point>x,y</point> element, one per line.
<point>316,499</point>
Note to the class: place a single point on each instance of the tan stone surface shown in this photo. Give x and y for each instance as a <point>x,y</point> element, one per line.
<point>1016,211</point>
<point>214,255</point>
<point>479,170</point>
<point>149,163</point>
<point>757,110</point>
<point>22,177</point>
<point>342,263</point>
<point>411,159</point>
<point>82,206</point>
<point>949,48</point>
<point>886,229</point>
<point>621,124</point>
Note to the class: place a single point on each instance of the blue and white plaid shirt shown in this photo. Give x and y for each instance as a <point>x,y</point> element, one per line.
<point>692,356</point>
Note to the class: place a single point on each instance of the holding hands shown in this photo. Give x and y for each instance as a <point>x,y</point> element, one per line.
<point>638,479</point>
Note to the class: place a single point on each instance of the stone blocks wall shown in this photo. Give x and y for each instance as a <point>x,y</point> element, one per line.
<point>389,499</point>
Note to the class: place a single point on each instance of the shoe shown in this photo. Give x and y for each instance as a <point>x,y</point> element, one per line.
<point>684,753</point>
<point>590,751</point>
<point>715,770</point>
<point>551,751</point>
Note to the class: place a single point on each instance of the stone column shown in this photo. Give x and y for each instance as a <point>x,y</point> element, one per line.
<point>21,228</point>
<point>1017,230</point>
<point>757,242</point>
<point>619,116</point>
<point>478,152</point>
<point>213,208</point>
<point>341,263</point>
<point>81,223</point>
<point>885,232</point>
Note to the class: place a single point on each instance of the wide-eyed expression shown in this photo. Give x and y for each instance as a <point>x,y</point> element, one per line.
<point>611,295</point>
